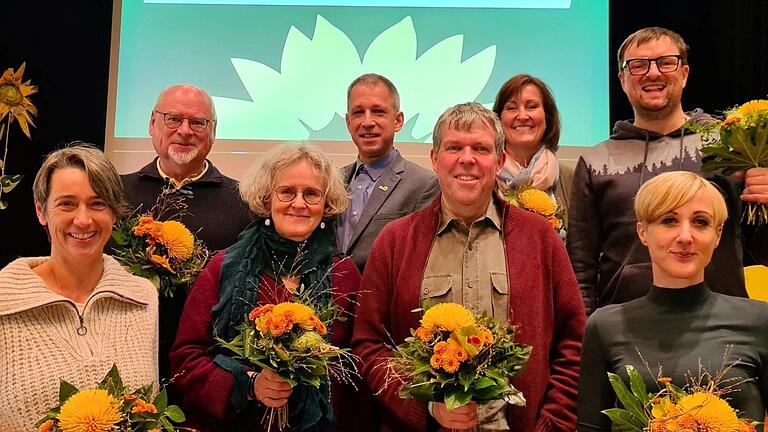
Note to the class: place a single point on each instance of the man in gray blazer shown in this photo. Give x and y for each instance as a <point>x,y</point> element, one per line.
<point>383,185</point>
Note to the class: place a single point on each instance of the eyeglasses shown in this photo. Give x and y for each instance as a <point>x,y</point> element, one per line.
<point>641,66</point>
<point>311,196</point>
<point>174,121</point>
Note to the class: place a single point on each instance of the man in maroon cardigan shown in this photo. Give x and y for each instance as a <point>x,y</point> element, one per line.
<point>468,247</point>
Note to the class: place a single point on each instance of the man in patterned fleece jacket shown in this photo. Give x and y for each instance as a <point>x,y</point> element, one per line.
<point>611,264</point>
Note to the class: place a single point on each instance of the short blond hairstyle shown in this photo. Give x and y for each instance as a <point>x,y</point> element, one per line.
<point>462,117</point>
<point>670,190</point>
<point>102,175</point>
<point>259,182</point>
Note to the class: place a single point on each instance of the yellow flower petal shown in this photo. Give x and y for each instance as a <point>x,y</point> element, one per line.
<point>537,201</point>
<point>447,316</point>
<point>89,411</point>
<point>177,239</point>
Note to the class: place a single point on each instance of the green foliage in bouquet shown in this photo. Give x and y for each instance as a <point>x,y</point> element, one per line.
<point>288,338</point>
<point>456,357</point>
<point>696,408</point>
<point>739,142</point>
<point>156,246</point>
<point>111,406</point>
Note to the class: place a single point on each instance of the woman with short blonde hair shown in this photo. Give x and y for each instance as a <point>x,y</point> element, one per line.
<point>680,324</point>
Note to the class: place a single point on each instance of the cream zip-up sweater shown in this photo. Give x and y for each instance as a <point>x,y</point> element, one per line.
<point>45,337</point>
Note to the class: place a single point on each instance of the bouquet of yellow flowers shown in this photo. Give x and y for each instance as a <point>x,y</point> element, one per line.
<point>111,406</point>
<point>536,201</point>
<point>739,142</point>
<point>698,407</point>
<point>456,357</point>
<point>288,338</point>
<point>156,246</point>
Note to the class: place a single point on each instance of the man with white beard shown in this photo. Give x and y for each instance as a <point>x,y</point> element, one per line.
<point>182,125</point>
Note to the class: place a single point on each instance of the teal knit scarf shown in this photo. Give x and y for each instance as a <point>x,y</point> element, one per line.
<point>261,249</point>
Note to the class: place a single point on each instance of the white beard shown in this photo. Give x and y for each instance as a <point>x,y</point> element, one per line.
<point>183,158</point>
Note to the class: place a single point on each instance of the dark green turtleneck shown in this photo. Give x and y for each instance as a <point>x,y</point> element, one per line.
<point>677,329</point>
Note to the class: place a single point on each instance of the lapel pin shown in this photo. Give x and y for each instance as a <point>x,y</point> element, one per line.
<point>383,188</point>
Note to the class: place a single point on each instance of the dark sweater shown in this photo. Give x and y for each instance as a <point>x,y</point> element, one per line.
<point>611,264</point>
<point>676,329</point>
<point>215,212</point>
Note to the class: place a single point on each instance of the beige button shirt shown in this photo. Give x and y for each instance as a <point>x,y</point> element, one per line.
<point>467,265</point>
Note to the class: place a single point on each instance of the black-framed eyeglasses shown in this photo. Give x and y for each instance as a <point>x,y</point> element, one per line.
<point>310,196</point>
<point>641,66</point>
<point>174,121</point>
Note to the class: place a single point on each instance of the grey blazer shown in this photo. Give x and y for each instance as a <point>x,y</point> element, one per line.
<point>403,188</point>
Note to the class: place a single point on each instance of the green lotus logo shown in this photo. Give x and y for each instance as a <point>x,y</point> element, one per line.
<point>306,99</point>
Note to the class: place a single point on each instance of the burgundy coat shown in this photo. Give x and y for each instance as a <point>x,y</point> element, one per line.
<point>206,388</point>
<point>544,301</point>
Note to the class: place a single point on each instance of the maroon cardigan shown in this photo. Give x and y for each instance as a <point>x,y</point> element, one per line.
<point>205,387</point>
<point>544,301</point>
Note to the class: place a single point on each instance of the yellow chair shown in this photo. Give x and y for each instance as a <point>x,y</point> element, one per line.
<point>756,278</point>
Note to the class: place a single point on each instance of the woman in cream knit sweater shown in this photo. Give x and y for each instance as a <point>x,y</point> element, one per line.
<point>72,315</point>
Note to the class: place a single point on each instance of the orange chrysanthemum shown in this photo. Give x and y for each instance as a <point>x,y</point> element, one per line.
<point>46,426</point>
<point>487,335</point>
<point>177,239</point>
<point>148,227</point>
<point>280,318</point>
<point>450,364</point>
<point>259,311</point>
<point>141,407</point>
<point>423,334</point>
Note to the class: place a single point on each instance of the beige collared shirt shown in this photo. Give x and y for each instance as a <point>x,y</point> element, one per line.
<point>180,184</point>
<point>466,265</point>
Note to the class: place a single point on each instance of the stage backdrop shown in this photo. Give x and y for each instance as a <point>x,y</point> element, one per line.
<point>278,70</point>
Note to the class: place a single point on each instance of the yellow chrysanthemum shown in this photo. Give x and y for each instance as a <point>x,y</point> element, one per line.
<point>753,107</point>
<point>709,412</point>
<point>13,98</point>
<point>447,316</point>
<point>90,411</point>
<point>537,201</point>
<point>177,239</point>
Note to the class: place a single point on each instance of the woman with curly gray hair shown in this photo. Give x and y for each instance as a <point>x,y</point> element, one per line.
<point>295,193</point>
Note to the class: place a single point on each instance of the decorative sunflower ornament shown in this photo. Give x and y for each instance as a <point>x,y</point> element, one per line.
<point>15,105</point>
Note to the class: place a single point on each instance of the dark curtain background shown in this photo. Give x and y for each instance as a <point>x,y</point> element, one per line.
<point>66,47</point>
